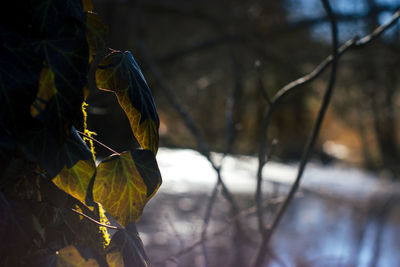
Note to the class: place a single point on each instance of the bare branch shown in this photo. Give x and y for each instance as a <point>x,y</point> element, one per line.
<point>310,144</point>
<point>352,43</point>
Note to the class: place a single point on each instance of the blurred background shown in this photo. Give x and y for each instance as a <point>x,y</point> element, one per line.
<point>222,59</point>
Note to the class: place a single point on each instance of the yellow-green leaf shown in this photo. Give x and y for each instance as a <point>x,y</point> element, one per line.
<point>118,72</point>
<point>75,180</point>
<point>70,257</point>
<point>124,183</point>
<point>45,92</point>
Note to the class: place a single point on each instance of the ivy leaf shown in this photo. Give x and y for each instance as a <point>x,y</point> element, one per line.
<point>124,183</point>
<point>75,180</point>
<point>46,91</point>
<point>70,257</point>
<point>78,170</point>
<point>126,249</point>
<point>96,31</point>
<point>41,146</point>
<point>19,76</point>
<point>64,49</point>
<point>118,72</point>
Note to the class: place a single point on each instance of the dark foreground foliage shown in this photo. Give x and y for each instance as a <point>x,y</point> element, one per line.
<point>55,203</point>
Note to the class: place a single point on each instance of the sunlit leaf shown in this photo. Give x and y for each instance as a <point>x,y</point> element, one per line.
<point>126,249</point>
<point>78,170</point>
<point>75,180</point>
<point>119,73</point>
<point>124,183</point>
<point>70,257</point>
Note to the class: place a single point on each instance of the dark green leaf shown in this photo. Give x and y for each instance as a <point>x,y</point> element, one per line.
<point>126,247</point>
<point>96,31</point>
<point>119,73</point>
<point>43,34</point>
<point>40,145</point>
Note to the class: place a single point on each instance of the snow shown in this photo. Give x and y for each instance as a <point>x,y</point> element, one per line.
<point>185,170</point>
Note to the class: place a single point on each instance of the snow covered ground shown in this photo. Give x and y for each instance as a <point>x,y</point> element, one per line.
<point>184,170</point>
<point>344,216</point>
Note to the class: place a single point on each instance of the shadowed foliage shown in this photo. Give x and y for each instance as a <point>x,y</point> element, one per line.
<point>49,53</point>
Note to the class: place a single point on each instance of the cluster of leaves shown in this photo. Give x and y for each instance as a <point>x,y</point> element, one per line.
<point>53,196</point>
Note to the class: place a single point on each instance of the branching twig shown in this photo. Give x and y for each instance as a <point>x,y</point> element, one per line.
<point>309,147</point>
<point>352,43</point>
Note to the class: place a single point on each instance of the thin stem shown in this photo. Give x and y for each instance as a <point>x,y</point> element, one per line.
<point>100,143</point>
<point>94,221</point>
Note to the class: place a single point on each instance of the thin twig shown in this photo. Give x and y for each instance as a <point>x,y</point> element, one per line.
<point>206,222</point>
<point>352,43</point>
<point>100,143</point>
<point>96,222</point>
<point>310,144</point>
<point>258,196</point>
<point>272,33</point>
